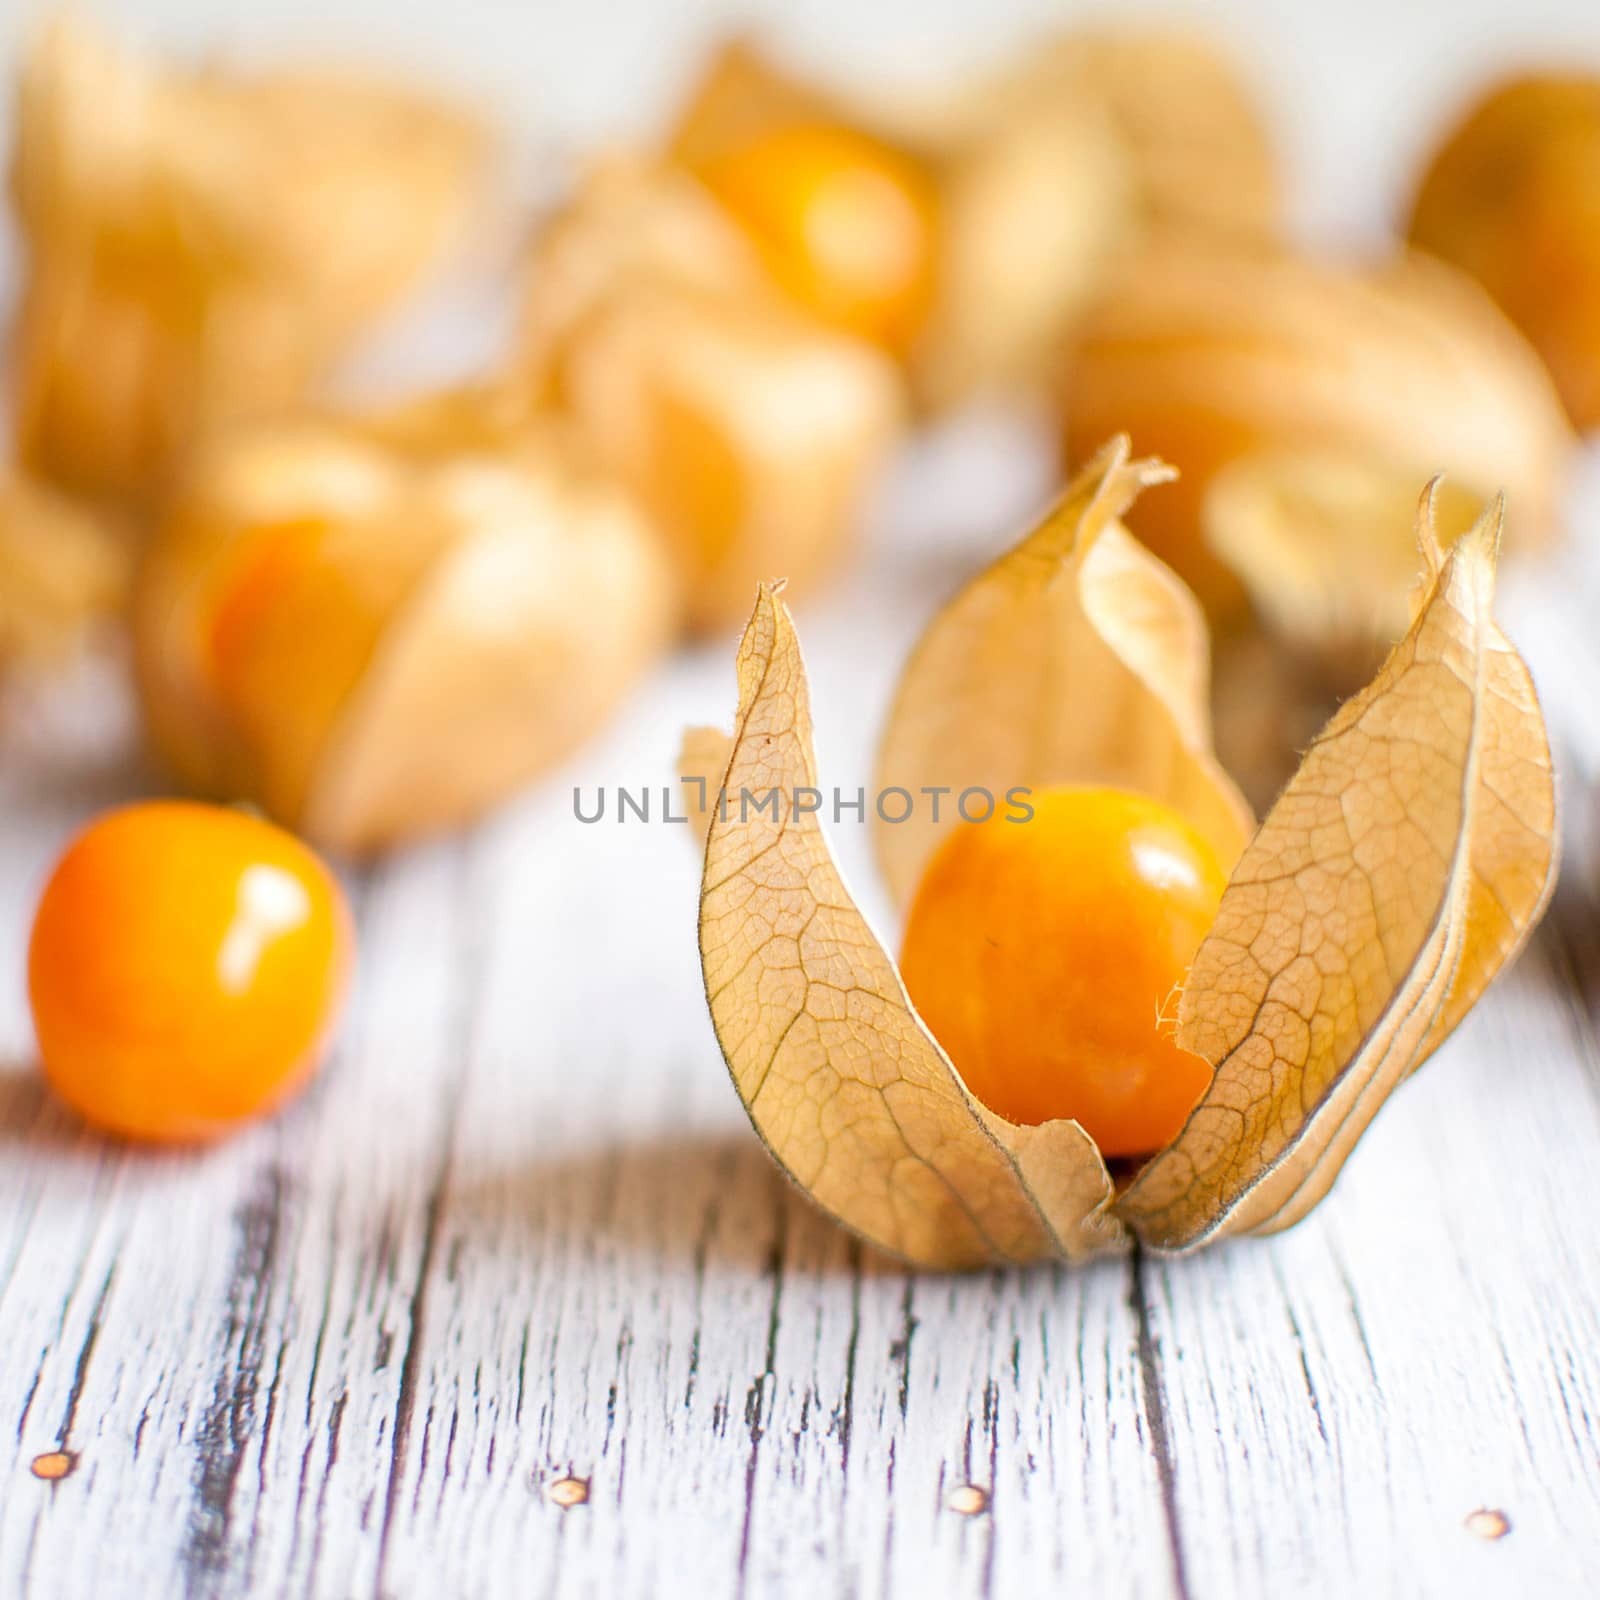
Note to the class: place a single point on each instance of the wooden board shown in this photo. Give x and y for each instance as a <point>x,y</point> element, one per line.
<point>517,1248</point>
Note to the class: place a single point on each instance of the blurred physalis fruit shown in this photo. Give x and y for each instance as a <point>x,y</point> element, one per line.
<point>63,571</point>
<point>202,243</point>
<point>748,430</point>
<point>1196,142</point>
<point>960,237</point>
<point>379,628</point>
<point>1513,197</point>
<point>1212,352</point>
<point>186,970</point>
<point>845,222</point>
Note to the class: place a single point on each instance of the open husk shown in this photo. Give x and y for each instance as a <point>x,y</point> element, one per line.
<point>378,629</point>
<point>1401,868</point>
<point>203,243</point>
<point>1210,353</point>
<point>750,432</point>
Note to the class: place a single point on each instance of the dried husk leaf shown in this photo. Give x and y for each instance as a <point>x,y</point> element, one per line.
<point>1194,138</point>
<point>63,573</point>
<point>748,431</point>
<point>1051,168</point>
<point>204,243</point>
<point>376,638</point>
<point>1035,202</point>
<point>629,219</point>
<point>1207,353</point>
<point>1406,861</point>
<point>1513,197</point>
<point>1325,543</point>
<point>1075,658</point>
<point>1404,864</point>
<point>843,1083</point>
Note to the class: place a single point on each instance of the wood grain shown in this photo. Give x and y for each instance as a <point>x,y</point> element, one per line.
<point>518,1247</point>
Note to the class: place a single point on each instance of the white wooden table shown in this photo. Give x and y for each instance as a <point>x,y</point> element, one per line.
<point>512,1302</point>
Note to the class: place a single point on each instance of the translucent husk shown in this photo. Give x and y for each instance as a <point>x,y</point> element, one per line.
<point>1513,197</point>
<point>749,432</point>
<point>202,243</point>
<point>1029,197</point>
<point>1213,353</point>
<point>379,628</point>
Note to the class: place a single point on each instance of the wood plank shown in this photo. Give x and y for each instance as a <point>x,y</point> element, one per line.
<point>519,1233</point>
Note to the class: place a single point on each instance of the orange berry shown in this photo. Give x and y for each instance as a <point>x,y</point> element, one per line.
<point>844,223</point>
<point>186,968</point>
<point>1043,955</point>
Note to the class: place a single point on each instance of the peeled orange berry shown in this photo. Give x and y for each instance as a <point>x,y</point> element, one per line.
<point>186,968</point>
<point>1044,955</point>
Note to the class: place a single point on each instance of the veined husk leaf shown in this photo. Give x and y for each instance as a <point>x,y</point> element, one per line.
<point>844,1084</point>
<point>1404,864</point>
<point>1077,657</point>
<point>1324,542</point>
<point>1429,796</point>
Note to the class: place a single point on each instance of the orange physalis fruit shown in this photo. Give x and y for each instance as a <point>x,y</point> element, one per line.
<point>1044,951</point>
<point>845,223</point>
<point>959,1109</point>
<point>186,968</point>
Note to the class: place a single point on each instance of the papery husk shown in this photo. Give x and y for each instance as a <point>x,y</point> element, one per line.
<point>1036,201</point>
<point>1513,197</point>
<point>743,93</point>
<point>1194,138</point>
<point>202,244</point>
<point>844,1084</point>
<point>1405,863</point>
<point>1207,353</point>
<point>702,764</point>
<point>749,432</point>
<point>63,573</point>
<point>1076,658</point>
<point>629,219</point>
<point>1325,544</point>
<point>1029,199</point>
<point>1056,165</point>
<point>461,616</point>
<point>1428,797</point>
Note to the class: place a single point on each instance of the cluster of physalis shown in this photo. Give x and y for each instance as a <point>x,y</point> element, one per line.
<point>1131,1013</point>
<point>373,622</point>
